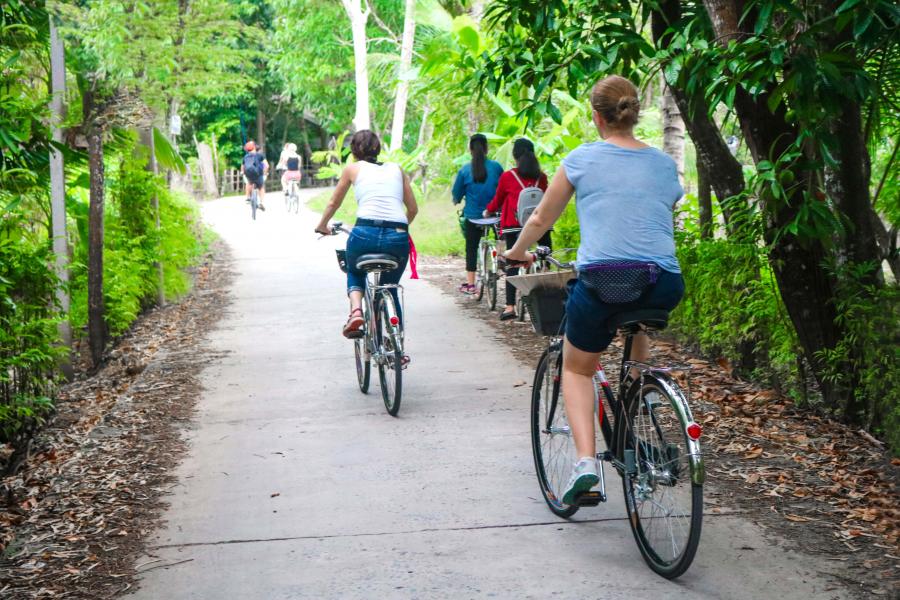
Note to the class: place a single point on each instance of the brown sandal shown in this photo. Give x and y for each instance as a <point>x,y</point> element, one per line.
<point>353,328</point>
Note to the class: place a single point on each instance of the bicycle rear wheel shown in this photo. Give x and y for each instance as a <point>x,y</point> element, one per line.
<point>254,203</point>
<point>663,479</point>
<point>551,438</point>
<point>390,352</point>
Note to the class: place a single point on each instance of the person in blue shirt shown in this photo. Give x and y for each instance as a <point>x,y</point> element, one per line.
<point>625,195</point>
<point>477,183</point>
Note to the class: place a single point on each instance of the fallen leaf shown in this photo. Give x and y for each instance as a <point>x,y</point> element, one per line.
<point>797,518</point>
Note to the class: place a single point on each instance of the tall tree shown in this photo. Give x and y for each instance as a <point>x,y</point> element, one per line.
<point>358,13</point>
<point>406,52</point>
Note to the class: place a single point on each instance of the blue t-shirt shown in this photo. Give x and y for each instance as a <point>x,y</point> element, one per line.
<point>477,195</point>
<point>624,199</point>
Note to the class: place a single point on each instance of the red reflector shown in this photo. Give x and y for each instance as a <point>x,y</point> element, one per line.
<point>494,253</point>
<point>395,321</point>
<point>694,431</point>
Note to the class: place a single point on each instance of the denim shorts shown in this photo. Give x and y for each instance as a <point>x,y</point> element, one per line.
<point>365,239</point>
<point>587,315</point>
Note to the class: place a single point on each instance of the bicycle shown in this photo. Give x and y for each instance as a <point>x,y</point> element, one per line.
<point>383,335</point>
<point>651,438</point>
<point>292,198</point>
<point>254,200</point>
<point>486,273</point>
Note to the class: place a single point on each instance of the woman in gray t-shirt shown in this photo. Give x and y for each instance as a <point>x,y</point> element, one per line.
<point>625,196</point>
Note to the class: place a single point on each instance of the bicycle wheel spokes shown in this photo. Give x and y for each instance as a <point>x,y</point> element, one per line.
<point>390,354</point>
<point>664,503</point>
<point>551,438</point>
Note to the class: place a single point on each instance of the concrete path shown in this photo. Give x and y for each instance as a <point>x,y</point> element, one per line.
<point>299,486</point>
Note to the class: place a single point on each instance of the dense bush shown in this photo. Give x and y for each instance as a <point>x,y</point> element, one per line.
<point>133,246</point>
<point>28,330</point>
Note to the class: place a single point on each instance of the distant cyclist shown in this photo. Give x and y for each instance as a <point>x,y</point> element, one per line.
<point>255,168</point>
<point>386,207</point>
<point>625,198</point>
<point>525,175</point>
<point>289,165</point>
<point>476,182</point>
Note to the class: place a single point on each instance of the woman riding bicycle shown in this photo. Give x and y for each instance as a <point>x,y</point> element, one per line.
<point>289,163</point>
<point>625,196</point>
<point>386,207</point>
<point>477,183</point>
<point>527,173</point>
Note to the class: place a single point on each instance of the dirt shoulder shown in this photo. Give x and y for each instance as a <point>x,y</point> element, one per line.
<point>74,519</point>
<point>826,489</point>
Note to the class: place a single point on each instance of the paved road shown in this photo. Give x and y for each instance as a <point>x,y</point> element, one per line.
<point>298,486</point>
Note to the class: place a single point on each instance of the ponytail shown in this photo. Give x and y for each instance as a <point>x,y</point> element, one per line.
<point>526,161</point>
<point>478,148</point>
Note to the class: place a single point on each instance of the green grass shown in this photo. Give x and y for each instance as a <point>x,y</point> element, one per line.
<point>435,229</point>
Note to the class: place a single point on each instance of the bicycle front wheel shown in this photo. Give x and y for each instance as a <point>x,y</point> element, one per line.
<point>663,476</point>
<point>551,437</point>
<point>390,354</point>
<point>363,364</point>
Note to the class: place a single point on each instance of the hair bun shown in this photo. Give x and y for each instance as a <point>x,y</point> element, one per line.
<point>627,103</point>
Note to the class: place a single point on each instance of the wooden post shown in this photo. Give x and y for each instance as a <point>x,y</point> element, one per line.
<point>58,192</point>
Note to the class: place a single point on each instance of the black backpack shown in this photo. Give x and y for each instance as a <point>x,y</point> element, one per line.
<point>253,165</point>
<point>293,164</point>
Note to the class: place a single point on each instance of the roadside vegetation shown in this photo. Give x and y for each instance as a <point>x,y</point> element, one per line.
<point>784,120</point>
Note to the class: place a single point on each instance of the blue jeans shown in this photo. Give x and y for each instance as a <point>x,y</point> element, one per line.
<point>586,314</point>
<point>384,240</point>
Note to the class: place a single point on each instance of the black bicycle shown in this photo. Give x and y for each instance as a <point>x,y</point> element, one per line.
<point>651,438</point>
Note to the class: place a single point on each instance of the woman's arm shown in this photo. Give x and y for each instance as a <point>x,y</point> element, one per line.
<point>544,216</point>
<point>337,198</point>
<point>409,200</point>
<point>459,188</point>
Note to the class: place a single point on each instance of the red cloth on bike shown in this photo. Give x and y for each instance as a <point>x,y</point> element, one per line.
<point>413,259</point>
<point>506,199</point>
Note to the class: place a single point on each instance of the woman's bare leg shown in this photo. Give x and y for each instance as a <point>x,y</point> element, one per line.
<point>578,390</point>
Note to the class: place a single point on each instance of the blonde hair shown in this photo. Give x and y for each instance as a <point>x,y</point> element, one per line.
<point>616,99</point>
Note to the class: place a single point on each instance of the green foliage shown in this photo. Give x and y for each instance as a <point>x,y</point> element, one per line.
<point>867,358</point>
<point>133,246</point>
<point>28,329</point>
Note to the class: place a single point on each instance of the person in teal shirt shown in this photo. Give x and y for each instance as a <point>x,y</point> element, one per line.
<point>477,183</point>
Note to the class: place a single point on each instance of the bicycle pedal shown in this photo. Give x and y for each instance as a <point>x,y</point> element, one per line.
<point>590,498</point>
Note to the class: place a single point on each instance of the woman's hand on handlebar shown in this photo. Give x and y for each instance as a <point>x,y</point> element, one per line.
<point>515,259</point>
<point>323,230</point>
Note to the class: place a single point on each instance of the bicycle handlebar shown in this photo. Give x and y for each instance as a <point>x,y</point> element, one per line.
<point>335,228</point>
<point>540,253</point>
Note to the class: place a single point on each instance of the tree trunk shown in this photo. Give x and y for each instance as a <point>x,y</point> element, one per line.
<point>97,330</point>
<point>673,130</point>
<point>406,49</point>
<point>704,202</point>
<point>58,194</point>
<point>260,126</point>
<point>358,20</point>
<point>304,134</point>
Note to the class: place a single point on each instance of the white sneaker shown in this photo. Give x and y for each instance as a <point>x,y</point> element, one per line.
<point>584,477</point>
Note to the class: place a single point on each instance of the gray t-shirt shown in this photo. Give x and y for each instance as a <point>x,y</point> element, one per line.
<point>624,199</point>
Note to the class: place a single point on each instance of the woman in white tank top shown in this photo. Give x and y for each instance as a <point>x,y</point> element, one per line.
<point>386,208</point>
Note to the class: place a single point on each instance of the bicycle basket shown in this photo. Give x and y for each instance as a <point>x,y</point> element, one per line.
<point>545,295</point>
<point>342,259</point>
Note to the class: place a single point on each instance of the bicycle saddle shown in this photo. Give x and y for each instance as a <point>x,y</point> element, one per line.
<point>486,221</point>
<point>377,262</point>
<point>631,320</point>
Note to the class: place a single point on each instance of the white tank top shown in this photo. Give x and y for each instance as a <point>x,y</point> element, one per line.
<point>379,192</point>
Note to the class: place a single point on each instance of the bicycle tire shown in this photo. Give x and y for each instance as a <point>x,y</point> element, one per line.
<point>654,430</point>
<point>363,365</point>
<point>552,468</point>
<point>493,276</point>
<point>481,272</point>
<point>390,364</point>
<point>254,203</point>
